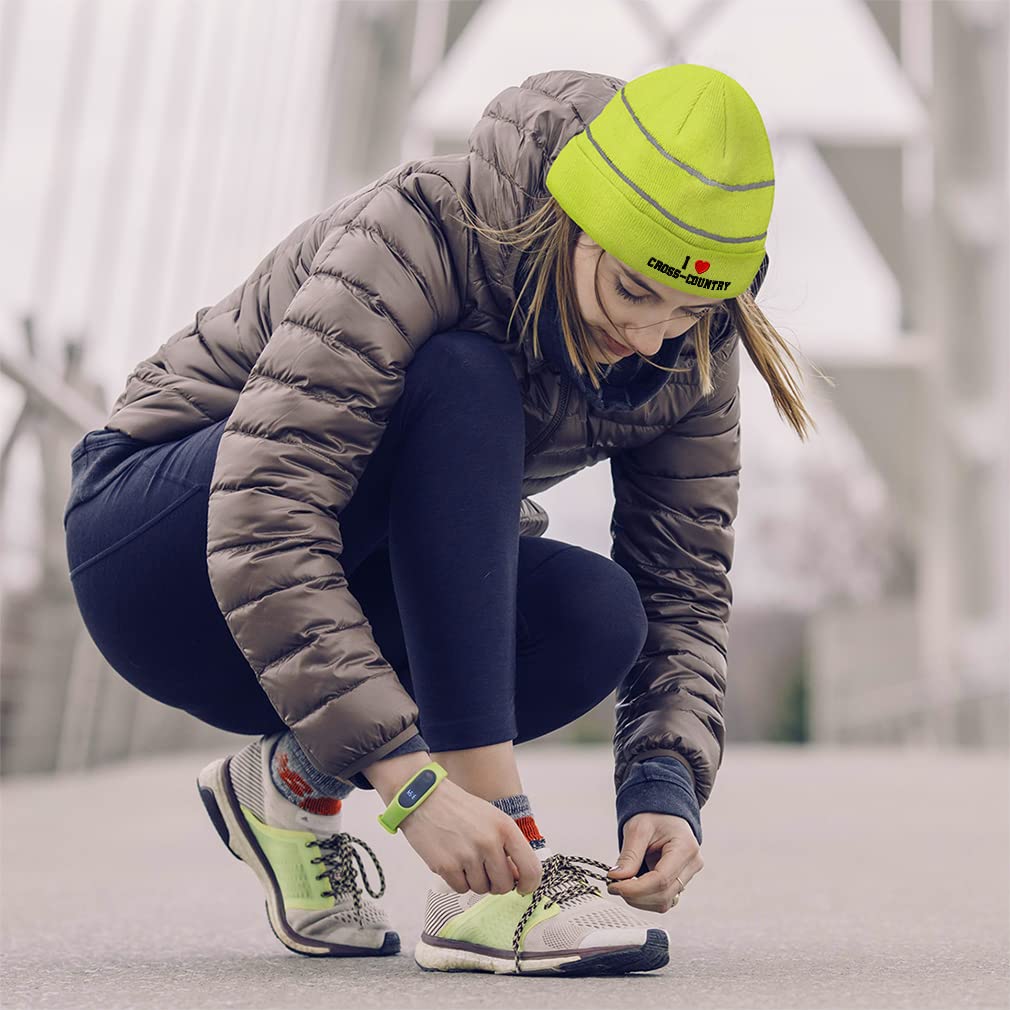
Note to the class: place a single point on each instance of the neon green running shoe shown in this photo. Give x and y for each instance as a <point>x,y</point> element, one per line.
<point>565,927</point>
<point>306,864</point>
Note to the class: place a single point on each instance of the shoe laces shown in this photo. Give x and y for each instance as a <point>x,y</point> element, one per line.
<point>562,881</point>
<point>338,856</point>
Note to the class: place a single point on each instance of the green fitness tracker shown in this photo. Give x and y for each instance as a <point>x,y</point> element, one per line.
<point>410,796</point>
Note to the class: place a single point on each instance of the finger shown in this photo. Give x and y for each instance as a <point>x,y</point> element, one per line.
<point>680,850</point>
<point>652,857</point>
<point>476,878</point>
<point>648,886</point>
<point>648,904</point>
<point>530,869</point>
<point>672,861</point>
<point>456,880</point>
<point>637,836</point>
<point>660,884</point>
<point>499,872</point>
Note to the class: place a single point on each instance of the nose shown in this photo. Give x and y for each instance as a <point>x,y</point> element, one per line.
<point>644,343</point>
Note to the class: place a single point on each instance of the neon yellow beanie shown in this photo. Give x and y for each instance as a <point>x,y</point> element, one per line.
<point>675,178</point>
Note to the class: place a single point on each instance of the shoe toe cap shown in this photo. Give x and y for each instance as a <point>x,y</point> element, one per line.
<point>341,928</point>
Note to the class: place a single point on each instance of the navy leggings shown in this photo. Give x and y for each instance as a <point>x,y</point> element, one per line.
<point>496,636</point>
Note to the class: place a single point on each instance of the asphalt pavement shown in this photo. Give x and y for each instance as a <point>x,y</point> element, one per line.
<point>833,878</point>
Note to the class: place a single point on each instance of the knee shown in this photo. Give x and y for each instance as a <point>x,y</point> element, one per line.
<point>455,360</point>
<point>602,612</point>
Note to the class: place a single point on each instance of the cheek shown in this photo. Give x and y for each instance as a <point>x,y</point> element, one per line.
<point>593,306</point>
<point>620,313</point>
<point>593,312</point>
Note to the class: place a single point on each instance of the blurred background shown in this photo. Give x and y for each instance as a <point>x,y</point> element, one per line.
<point>152,152</point>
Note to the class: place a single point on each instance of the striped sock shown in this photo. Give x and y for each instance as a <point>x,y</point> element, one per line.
<point>301,783</point>
<point>519,809</point>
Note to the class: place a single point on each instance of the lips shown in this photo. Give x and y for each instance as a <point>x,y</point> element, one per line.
<point>613,347</point>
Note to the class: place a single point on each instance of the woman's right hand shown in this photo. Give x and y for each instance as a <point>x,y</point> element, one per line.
<point>470,843</point>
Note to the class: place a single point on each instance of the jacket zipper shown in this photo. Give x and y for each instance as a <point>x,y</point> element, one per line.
<point>555,421</point>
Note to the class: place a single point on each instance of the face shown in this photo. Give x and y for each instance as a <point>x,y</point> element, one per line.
<point>644,311</point>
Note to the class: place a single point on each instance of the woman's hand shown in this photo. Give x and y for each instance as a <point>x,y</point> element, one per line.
<point>667,845</point>
<point>470,843</point>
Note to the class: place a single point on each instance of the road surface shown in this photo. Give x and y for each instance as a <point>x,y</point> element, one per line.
<point>833,878</point>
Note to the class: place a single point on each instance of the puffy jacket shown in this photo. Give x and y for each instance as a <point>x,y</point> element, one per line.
<point>306,358</point>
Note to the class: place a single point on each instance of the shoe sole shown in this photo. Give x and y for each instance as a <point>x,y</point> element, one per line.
<point>432,954</point>
<point>222,806</point>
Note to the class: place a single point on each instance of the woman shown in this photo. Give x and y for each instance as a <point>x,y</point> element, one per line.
<point>305,518</point>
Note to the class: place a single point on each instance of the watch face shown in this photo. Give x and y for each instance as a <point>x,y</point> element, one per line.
<point>412,792</point>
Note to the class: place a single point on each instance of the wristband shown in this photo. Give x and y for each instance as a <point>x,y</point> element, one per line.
<point>412,795</point>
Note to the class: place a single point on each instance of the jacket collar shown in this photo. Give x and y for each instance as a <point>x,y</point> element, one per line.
<point>624,386</point>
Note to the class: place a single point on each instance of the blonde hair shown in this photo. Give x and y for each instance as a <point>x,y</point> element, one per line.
<point>551,235</point>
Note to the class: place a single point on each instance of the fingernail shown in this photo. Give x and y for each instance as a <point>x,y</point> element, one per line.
<point>616,866</point>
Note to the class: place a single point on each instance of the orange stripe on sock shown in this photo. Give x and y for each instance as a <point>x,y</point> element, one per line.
<point>529,828</point>
<point>291,778</point>
<point>325,805</point>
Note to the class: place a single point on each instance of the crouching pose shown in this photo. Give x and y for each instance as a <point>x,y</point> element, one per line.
<point>308,520</point>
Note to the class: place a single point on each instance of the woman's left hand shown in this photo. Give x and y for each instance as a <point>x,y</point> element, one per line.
<point>668,847</point>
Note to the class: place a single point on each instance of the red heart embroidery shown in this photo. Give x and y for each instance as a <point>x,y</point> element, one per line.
<point>701,266</point>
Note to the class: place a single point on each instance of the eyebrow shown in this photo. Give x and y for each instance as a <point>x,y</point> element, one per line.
<point>652,290</point>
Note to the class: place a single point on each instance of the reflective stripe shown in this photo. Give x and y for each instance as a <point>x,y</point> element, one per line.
<point>687,168</point>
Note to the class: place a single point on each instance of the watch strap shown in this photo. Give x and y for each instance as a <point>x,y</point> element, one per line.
<point>411,795</point>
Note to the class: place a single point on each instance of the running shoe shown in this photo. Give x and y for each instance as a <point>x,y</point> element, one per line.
<point>565,927</point>
<point>306,864</point>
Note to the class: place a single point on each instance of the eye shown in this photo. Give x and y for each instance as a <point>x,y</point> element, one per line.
<point>627,295</point>
<point>696,315</point>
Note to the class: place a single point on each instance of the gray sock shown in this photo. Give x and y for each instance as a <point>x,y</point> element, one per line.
<point>299,781</point>
<point>519,809</point>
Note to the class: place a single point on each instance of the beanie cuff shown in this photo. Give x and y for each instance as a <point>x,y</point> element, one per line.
<point>614,216</point>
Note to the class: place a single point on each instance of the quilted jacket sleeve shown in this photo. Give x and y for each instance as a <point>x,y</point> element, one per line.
<point>311,412</point>
<point>675,502</point>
